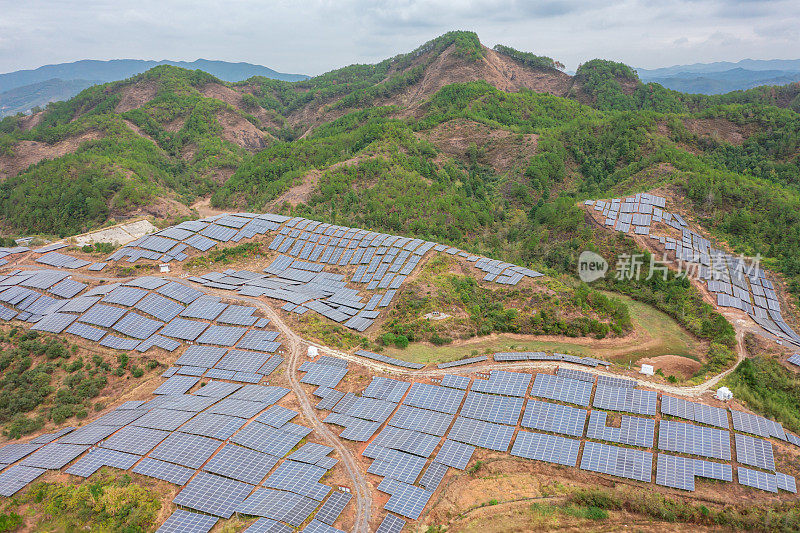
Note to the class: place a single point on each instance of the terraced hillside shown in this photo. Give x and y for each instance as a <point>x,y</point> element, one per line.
<point>229,436</point>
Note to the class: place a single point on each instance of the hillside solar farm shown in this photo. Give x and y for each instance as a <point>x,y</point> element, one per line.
<point>467,288</point>
<point>250,422</point>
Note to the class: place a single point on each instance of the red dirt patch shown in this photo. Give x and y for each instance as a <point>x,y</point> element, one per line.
<point>27,153</point>
<point>673,365</point>
<point>136,95</point>
<point>501,148</point>
<point>240,131</point>
<point>720,128</point>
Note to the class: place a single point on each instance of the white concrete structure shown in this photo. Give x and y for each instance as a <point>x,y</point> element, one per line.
<point>647,370</point>
<point>313,351</point>
<point>724,394</point>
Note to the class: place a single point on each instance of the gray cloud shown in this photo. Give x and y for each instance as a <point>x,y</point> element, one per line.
<point>314,36</point>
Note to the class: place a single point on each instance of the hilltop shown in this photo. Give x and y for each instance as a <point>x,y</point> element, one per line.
<point>24,90</point>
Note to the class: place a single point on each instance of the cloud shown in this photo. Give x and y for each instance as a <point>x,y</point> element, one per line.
<point>314,36</point>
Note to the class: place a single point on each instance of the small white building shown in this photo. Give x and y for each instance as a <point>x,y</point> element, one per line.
<point>724,394</point>
<point>313,351</point>
<point>647,370</point>
<point>163,268</point>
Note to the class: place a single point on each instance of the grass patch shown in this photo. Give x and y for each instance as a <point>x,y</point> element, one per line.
<point>670,338</point>
<point>111,501</point>
<point>224,256</point>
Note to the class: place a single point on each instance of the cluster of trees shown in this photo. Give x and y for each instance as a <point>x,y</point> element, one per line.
<point>528,59</point>
<point>43,378</point>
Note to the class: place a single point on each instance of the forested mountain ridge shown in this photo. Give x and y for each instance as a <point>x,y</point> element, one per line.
<point>489,149</point>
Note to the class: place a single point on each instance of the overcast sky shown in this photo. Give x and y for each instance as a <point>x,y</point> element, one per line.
<point>314,36</point>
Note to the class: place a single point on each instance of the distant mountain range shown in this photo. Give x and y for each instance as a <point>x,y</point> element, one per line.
<point>22,90</point>
<point>724,76</point>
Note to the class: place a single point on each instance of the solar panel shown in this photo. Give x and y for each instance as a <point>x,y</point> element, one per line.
<point>633,431</point>
<point>182,521</point>
<point>172,473</point>
<point>433,476</point>
<point>54,323</point>
<point>455,382</point>
<point>67,288</point>
<point>266,439</point>
<point>176,385</point>
<point>408,500</point>
<point>387,389</point>
<point>276,416</point>
<point>260,340</point>
<point>17,477</point>
<point>217,389</point>
<point>135,325</point>
<point>370,409</point>
<point>549,448</point>
<point>625,398</point>
<point>203,356</point>
<point>616,461</point>
<point>754,452</point>
<point>562,389</point>
<point>136,440</point>
<point>54,455</point>
<point>238,314</point>
<point>555,418</point>
<point>757,479</point>
<point>183,329</point>
<point>422,420</point>
<point>267,525</point>
<point>213,425</point>
<point>705,414</point>
<point>127,296</point>
<point>675,472</point>
<point>502,382</point>
<point>575,374</point>
<point>102,315</point>
<point>287,507</point>
<point>90,434</point>
<point>241,464</point>
<point>462,362</point>
<point>160,307</point>
<point>300,478</point>
<point>221,335</point>
<point>696,440</point>
<point>333,507</point>
<point>186,450</point>
<point>435,398</point>
<point>786,482</point>
<point>406,440</point>
<point>484,434</point>
<point>754,424</point>
<point>99,457</point>
<point>179,292</point>
<point>213,494</point>
<point>492,408</point>
<point>391,524</point>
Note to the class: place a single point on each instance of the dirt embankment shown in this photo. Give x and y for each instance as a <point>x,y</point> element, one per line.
<point>235,98</point>
<point>27,153</point>
<point>720,128</point>
<point>500,149</point>
<point>136,95</point>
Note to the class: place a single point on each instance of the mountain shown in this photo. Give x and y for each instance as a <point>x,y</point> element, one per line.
<point>23,99</point>
<point>454,142</point>
<point>724,77</point>
<point>754,65</point>
<point>24,89</point>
